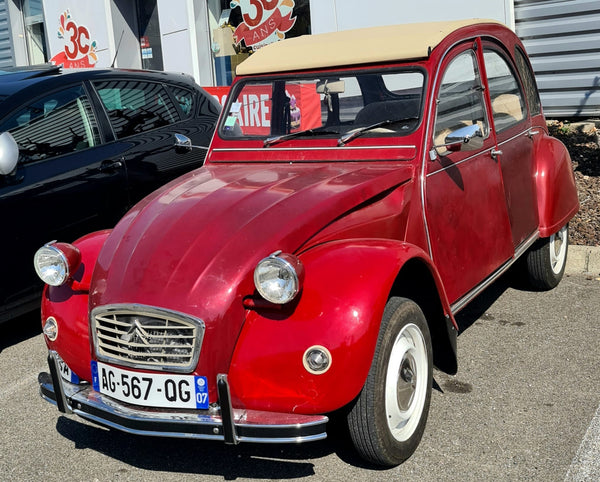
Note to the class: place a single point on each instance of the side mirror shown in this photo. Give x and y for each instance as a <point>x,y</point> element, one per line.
<point>333,87</point>
<point>184,144</point>
<point>471,135</point>
<point>9,153</point>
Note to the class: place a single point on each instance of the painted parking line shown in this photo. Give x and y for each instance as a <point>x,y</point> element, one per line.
<point>586,463</point>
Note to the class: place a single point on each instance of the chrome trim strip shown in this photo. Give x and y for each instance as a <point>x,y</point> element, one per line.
<point>455,164</point>
<point>266,149</point>
<point>516,136</point>
<point>462,302</point>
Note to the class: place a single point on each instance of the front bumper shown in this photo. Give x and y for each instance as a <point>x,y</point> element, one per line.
<point>223,423</point>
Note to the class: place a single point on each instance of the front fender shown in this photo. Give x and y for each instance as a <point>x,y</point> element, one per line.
<point>346,288</point>
<point>555,184</point>
<point>68,304</point>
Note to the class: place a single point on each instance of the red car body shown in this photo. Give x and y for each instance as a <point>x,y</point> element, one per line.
<point>369,218</point>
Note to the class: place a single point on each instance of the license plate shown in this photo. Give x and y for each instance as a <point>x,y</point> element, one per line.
<point>150,389</point>
<point>65,372</point>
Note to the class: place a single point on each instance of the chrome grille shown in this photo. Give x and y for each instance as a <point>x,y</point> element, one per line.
<point>147,337</point>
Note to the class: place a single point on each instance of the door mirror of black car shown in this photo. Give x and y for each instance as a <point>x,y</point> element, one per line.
<point>9,153</point>
<point>184,144</point>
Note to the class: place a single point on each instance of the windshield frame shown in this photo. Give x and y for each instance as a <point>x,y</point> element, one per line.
<point>284,77</point>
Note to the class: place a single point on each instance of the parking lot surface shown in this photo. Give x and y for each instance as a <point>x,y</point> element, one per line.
<point>523,406</point>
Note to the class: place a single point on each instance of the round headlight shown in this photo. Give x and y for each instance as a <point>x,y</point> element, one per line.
<point>54,265</point>
<point>278,278</point>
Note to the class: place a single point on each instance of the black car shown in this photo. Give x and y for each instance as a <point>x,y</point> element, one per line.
<point>91,143</point>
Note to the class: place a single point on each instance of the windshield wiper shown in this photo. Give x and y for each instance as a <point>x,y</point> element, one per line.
<point>342,141</point>
<point>284,137</point>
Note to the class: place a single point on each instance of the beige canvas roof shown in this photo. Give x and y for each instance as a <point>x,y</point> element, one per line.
<point>352,47</point>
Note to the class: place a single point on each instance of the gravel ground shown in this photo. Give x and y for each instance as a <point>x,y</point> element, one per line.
<point>584,148</point>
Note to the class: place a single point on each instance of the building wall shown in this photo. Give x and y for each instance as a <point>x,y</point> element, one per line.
<point>334,15</point>
<point>562,38</point>
<point>6,42</point>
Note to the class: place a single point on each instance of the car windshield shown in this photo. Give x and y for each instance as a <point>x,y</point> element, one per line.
<point>371,103</point>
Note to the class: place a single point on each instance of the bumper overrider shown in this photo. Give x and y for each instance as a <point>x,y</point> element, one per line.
<point>223,423</point>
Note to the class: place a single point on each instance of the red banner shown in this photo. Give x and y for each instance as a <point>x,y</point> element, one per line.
<point>253,112</point>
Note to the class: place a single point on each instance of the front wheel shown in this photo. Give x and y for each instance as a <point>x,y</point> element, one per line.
<point>547,259</point>
<point>388,418</point>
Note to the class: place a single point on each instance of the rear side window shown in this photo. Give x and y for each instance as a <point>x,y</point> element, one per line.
<point>531,91</point>
<point>185,99</point>
<point>134,107</point>
<point>508,104</point>
<point>57,124</point>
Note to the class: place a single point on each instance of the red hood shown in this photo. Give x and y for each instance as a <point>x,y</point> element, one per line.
<point>192,246</point>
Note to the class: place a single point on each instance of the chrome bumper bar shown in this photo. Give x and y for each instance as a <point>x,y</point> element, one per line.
<point>226,424</point>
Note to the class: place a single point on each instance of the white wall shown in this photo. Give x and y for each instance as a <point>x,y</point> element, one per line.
<point>185,40</point>
<point>335,15</point>
<point>95,16</point>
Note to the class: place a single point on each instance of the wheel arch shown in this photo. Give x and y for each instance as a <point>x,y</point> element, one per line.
<point>416,282</point>
<point>555,185</point>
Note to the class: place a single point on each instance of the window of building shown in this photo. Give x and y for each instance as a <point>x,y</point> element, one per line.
<point>240,27</point>
<point>149,35</point>
<point>35,36</point>
<point>58,124</point>
<point>134,107</point>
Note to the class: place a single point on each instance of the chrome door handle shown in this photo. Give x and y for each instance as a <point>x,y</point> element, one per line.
<point>495,153</point>
<point>110,166</point>
<point>532,133</point>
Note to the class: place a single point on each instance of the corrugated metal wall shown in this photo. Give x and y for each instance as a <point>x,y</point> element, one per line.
<point>6,47</point>
<point>562,38</point>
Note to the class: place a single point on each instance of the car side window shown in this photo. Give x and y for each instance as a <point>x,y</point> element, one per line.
<point>531,91</point>
<point>134,107</point>
<point>185,99</point>
<point>460,100</point>
<point>57,124</point>
<point>508,104</point>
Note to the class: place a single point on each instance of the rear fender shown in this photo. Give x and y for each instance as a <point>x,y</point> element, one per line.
<point>68,304</point>
<point>346,287</point>
<point>555,184</point>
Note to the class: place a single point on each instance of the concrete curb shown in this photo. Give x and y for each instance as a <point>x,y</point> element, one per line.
<point>583,260</point>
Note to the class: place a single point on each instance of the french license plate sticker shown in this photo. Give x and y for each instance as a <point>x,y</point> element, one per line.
<point>161,390</point>
<point>65,372</point>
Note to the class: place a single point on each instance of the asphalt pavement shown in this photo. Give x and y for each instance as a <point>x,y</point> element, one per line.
<point>524,405</point>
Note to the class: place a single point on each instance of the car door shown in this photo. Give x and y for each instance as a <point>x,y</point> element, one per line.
<point>465,207</point>
<point>63,186</point>
<point>512,126</point>
<point>144,116</point>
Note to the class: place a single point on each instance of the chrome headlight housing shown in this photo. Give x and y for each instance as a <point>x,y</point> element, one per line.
<point>55,262</point>
<point>278,277</point>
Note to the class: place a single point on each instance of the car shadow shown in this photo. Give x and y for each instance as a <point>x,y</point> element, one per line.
<point>186,456</point>
<point>19,329</point>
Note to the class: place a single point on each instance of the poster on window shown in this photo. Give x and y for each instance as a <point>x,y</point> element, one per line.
<point>263,21</point>
<point>77,33</point>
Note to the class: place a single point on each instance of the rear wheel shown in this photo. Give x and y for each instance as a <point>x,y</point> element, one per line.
<point>388,418</point>
<point>547,259</point>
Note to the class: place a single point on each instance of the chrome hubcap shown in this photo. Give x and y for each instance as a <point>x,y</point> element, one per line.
<point>406,382</point>
<point>558,250</point>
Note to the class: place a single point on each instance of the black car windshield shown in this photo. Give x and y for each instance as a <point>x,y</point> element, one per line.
<point>326,105</point>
